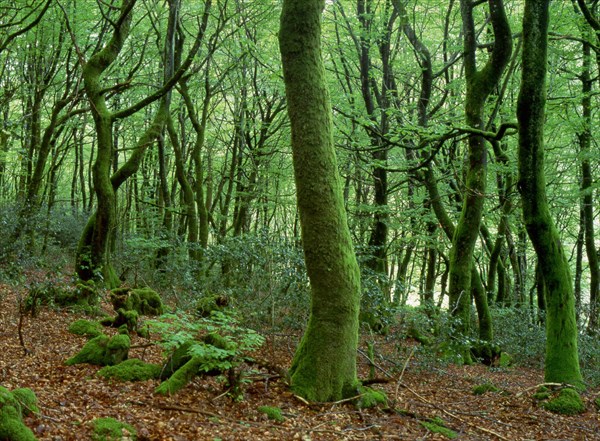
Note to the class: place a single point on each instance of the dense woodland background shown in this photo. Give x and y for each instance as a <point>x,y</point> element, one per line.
<point>193,180</point>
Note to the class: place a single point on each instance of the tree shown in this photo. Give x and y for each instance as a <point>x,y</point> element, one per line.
<point>324,366</point>
<point>562,361</point>
<point>480,83</point>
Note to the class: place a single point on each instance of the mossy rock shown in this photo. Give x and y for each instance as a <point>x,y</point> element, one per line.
<point>145,301</point>
<point>370,398</point>
<point>484,388</point>
<point>205,306</point>
<point>437,425</point>
<point>597,402</point>
<point>85,328</point>
<point>103,351</point>
<point>12,407</point>
<point>568,402</point>
<point>273,413</point>
<point>131,370</point>
<point>110,429</point>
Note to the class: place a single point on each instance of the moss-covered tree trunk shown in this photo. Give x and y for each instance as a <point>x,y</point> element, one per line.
<point>324,366</point>
<point>480,83</point>
<point>562,362</point>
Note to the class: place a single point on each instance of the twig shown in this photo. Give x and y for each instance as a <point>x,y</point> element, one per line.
<point>555,385</point>
<point>399,381</point>
<point>452,415</point>
<point>20,327</point>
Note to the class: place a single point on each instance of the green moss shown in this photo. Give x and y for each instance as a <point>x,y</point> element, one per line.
<point>27,399</point>
<point>481,389</point>
<point>568,402</point>
<point>218,341</point>
<point>274,413</point>
<point>436,425</point>
<point>540,396</point>
<point>127,317</point>
<point>597,402</point>
<point>117,349</point>
<point>177,359</point>
<point>415,333</point>
<point>505,359</point>
<point>181,377</point>
<point>145,301</point>
<point>86,328</point>
<point>93,352</point>
<point>212,302</point>
<point>370,398</point>
<point>110,429</point>
<point>102,351</point>
<point>12,406</point>
<point>131,370</point>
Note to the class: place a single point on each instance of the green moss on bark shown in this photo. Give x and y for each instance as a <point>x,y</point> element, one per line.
<point>324,365</point>
<point>568,402</point>
<point>181,377</point>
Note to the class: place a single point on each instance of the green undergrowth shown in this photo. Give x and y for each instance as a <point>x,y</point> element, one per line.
<point>215,345</point>
<point>110,429</point>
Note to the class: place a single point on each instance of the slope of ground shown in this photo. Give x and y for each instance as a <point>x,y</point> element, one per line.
<point>72,396</point>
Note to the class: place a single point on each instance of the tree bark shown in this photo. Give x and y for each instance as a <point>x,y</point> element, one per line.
<point>561,361</point>
<point>324,366</point>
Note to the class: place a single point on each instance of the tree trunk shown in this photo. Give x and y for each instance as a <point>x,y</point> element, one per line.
<point>324,366</point>
<point>562,361</point>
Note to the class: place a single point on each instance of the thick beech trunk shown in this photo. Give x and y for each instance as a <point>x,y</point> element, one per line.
<point>324,366</point>
<point>562,361</point>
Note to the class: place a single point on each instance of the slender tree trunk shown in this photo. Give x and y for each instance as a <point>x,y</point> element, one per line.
<point>562,360</point>
<point>480,83</point>
<point>324,366</point>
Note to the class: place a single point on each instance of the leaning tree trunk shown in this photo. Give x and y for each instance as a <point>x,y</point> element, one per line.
<point>562,361</point>
<point>480,83</point>
<point>324,366</point>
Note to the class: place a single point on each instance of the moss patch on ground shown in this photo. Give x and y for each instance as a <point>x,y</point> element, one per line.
<point>370,398</point>
<point>568,402</point>
<point>131,370</point>
<point>484,388</point>
<point>274,413</point>
<point>145,301</point>
<point>437,425</point>
<point>110,429</point>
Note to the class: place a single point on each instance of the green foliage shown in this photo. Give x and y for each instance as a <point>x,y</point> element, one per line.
<point>110,429</point>
<point>131,370</point>
<point>568,402</point>
<point>202,345</point>
<point>273,413</point>
<point>437,425</point>
<point>517,333</point>
<point>55,291</point>
<point>484,388</point>
<point>85,327</point>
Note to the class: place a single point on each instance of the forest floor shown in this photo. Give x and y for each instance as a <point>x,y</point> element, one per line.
<point>70,397</point>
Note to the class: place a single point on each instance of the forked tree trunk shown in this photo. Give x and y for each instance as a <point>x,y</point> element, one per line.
<point>562,361</point>
<point>324,366</point>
